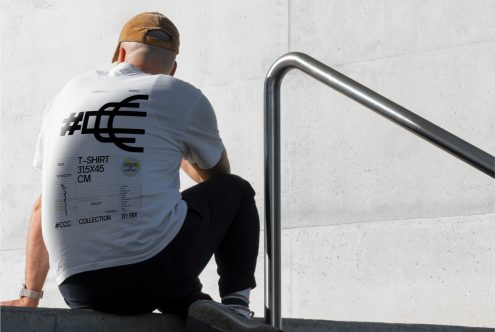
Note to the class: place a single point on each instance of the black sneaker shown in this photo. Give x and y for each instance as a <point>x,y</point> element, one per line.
<point>210,316</point>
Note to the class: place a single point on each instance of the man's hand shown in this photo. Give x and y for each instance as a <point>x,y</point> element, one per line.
<point>21,302</point>
<point>37,264</point>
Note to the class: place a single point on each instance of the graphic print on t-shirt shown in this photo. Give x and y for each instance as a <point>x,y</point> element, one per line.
<point>100,188</point>
<point>92,122</point>
<point>97,189</point>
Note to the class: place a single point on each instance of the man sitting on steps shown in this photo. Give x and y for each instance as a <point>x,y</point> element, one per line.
<point>118,232</point>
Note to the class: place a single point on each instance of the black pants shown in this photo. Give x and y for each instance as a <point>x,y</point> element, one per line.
<point>222,219</point>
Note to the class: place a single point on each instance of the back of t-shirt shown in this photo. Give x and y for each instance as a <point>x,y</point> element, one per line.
<point>110,148</point>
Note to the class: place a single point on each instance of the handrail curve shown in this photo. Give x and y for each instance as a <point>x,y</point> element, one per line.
<point>423,128</point>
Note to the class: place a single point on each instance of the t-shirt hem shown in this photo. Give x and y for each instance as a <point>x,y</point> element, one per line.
<point>66,273</point>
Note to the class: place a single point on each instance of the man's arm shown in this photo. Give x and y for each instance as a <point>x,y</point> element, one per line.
<point>199,175</point>
<point>37,264</point>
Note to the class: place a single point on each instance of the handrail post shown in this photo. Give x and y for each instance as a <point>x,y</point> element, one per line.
<point>273,266</point>
<point>452,144</point>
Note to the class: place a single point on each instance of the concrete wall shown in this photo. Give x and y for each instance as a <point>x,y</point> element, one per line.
<point>378,225</point>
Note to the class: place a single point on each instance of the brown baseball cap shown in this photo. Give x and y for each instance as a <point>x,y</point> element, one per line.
<point>138,27</point>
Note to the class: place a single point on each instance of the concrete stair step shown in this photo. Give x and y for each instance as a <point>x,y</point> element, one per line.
<point>14,319</point>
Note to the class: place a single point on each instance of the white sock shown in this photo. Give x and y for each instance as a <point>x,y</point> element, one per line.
<point>239,298</point>
<point>239,301</point>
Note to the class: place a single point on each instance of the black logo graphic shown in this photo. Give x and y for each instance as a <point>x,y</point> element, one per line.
<point>111,110</point>
<point>72,124</point>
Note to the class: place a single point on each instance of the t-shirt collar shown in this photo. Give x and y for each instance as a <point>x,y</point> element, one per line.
<point>125,68</point>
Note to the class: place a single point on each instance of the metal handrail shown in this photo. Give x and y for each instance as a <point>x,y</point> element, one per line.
<point>352,89</point>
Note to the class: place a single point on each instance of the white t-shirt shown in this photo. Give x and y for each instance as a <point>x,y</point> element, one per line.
<point>110,149</point>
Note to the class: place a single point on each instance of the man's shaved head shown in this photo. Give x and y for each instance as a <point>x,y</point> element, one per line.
<point>151,59</point>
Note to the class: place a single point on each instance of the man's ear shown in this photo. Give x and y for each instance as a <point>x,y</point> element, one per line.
<point>121,57</point>
<point>172,73</point>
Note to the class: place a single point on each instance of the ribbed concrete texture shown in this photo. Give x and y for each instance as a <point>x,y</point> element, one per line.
<point>378,224</point>
<point>59,320</point>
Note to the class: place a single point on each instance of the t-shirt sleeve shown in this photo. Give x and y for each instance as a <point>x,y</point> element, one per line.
<point>38,153</point>
<point>40,144</point>
<point>203,145</point>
